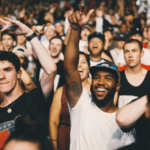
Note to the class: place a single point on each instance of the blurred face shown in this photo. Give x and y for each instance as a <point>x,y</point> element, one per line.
<point>59,28</point>
<point>123,28</point>
<point>83,67</point>
<point>120,44</point>
<point>137,37</point>
<point>7,40</point>
<point>55,47</point>
<point>84,34</point>
<point>145,33</point>
<point>20,145</point>
<point>8,77</point>
<point>95,46</point>
<point>103,87</point>
<point>21,58</point>
<point>49,33</point>
<point>132,54</point>
<point>21,39</point>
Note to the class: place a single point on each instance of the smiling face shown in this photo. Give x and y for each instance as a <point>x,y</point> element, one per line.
<point>103,87</point>
<point>83,67</point>
<point>132,54</point>
<point>8,77</point>
<point>95,46</point>
<point>55,47</point>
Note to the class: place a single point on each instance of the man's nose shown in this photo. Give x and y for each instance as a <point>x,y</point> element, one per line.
<point>2,76</point>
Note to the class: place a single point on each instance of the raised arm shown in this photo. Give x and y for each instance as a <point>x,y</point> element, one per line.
<point>45,59</point>
<point>72,77</point>
<point>127,116</point>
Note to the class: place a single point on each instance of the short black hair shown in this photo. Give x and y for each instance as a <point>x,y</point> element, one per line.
<point>8,32</point>
<point>31,128</point>
<point>87,57</point>
<point>11,57</point>
<point>133,41</point>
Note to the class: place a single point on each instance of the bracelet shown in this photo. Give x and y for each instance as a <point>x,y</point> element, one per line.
<point>29,38</point>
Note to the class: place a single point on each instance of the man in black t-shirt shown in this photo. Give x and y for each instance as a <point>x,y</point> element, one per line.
<point>135,80</point>
<point>55,49</point>
<point>15,101</point>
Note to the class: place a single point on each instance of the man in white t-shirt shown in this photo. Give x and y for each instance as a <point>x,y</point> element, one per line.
<point>93,125</point>
<point>120,40</point>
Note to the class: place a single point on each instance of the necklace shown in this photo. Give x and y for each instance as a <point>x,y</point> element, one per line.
<point>9,110</point>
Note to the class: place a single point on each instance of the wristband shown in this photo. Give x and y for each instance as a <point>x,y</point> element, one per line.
<point>29,38</point>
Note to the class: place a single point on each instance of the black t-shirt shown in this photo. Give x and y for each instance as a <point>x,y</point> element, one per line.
<point>128,92</point>
<point>28,103</point>
<point>60,72</point>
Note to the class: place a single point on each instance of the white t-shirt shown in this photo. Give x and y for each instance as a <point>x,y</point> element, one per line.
<point>144,60</point>
<point>115,54</point>
<point>94,63</point>
<point>93,129</point>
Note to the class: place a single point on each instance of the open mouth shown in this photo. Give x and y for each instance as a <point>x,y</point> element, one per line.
<point>80,71</point>
<point>94,46</point>
<point>101,92</point>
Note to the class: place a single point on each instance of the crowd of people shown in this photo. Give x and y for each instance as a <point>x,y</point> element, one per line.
<point>74,75</point>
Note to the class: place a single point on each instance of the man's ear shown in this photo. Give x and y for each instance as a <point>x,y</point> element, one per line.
<point>147,111</point>
<point>19,73</point>
<point>118,86</point>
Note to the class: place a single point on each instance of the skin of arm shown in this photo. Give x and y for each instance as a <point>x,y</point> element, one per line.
<point>27,81</point>
<point>45,59</point>
<point>67,36</point>
<point>127,116</point>
<point>54,119</point>
<point>72,77</point>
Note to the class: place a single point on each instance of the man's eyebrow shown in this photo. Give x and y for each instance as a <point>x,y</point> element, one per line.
<point>8,68</point>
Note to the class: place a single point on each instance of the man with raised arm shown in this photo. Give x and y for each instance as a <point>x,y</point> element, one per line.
<point>15,101</point>
<point>93,125</point>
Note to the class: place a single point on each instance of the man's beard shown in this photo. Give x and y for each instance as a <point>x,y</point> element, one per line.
<point>107,98</point>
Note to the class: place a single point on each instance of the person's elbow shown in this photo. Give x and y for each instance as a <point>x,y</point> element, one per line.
<point>52,70</point>
<point>121,120</point>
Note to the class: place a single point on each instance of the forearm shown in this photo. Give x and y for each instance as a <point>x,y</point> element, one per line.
<point>129,114</point>
<point>72,51</point>
<point>54,135</point>
<point>44,57</point>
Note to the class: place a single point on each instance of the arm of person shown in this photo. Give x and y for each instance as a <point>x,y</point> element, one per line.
<point>54,119</point>
<point>45,59</point>
<point>106,57</point>
<point>27,81</point>
<point>72,77</point>
<point>67,36</point>
<point>127,116</point>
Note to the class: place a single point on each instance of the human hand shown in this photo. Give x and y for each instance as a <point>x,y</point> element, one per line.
<point>79,18</point>
<point>18,27</point>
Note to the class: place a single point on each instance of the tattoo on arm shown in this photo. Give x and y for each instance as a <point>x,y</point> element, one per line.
<point>75,88</point>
